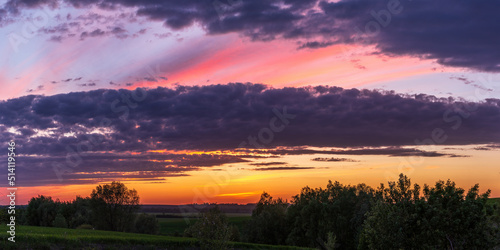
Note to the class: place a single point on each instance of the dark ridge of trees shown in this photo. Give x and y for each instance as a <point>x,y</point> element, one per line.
<point>109,207</point>
<point>397,216</point>
<point>400,216</point>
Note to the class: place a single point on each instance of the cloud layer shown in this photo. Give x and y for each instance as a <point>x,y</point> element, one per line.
<point>222,116</point>
<point>149,133</point>
<point>455,33</point>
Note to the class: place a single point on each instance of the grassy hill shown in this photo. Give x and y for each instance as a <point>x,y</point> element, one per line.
<point>29,237</point>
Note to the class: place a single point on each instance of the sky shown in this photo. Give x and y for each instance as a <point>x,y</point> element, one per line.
<point>217,101</point>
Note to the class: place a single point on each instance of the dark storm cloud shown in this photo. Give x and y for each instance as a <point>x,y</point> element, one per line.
<point>38,170</point>
<point>455,33</point>
<point>333,159</point>
<point>220,117</point>
<point>315,45</point>
<point>388,151</point>
<point>95,33</point>
<point>281,168</point>
<point>267,163</point>
<point>14,6</point>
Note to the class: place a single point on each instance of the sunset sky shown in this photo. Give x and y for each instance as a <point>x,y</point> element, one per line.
<point>217,101</point>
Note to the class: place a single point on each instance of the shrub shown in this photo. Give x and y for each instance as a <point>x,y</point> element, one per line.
<point>212,230</point>
<point>146,224</point>
<point>60,221</point>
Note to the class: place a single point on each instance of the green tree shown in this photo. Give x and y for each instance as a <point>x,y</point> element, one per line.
<point>82,212</point>
<point>268,224</point>
<point>212,229</point>
<point>443,218</point>
<point>60,221</point>
<point>335,215</point>
<point>114,206</point>
<point>41,211</point>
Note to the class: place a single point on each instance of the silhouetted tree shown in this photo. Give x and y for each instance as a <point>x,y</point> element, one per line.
<point>319,216</point>
<point>41,211</point>
<point>114,206</point>
<point>443,218</point>
<point>212,229</point>
<point>268,223</point>
<point>82,213</point>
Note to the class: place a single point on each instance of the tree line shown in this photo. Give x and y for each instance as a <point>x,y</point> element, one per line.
<point>397,216</point>
<point>111,207</point>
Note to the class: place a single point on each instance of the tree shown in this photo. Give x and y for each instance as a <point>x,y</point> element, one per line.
<point>60,221</point>
<point>268,223</point>
<point>82,212</point>
<point>444,218</point>
<point>41,211</point>
<point>335,215</point>
<point>114,206</point>
<point>212,229</point>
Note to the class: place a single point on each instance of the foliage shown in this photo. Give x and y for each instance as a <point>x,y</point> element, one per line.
<point>81,212</point>
<point>444,217</point>
<point>268,224</point>
<point>113,206</point>
<point>146,224</point>
<point>212,229</point>
<point>60,221</point>
<point>338,210</point>
<point>41,211</point>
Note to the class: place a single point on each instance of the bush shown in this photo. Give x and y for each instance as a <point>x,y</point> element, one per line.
<point>146,224</point>
<point>60,221</point>
<point>268,224</point>
<point>212,230</point>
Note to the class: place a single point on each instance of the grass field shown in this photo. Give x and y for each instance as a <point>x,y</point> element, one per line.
<point>29,237</point>
<point>176,226</point>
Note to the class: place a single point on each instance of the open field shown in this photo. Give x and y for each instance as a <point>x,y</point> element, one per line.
<point>29,237</point>
<point>176,226</point>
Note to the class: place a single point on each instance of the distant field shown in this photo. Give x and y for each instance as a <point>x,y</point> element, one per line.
<point>29,237</point>
<point>176,226</point>
<point>194,215</point>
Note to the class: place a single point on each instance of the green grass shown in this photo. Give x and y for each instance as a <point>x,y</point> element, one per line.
<point>29,237</point>
<point>176,226</point>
